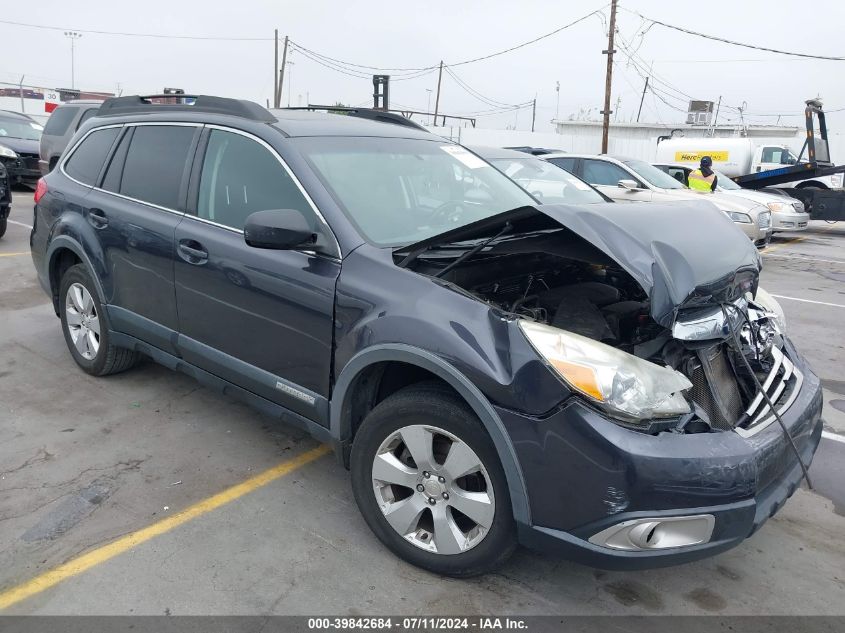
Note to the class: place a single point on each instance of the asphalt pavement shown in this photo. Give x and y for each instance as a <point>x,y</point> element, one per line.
<point>144,493</point>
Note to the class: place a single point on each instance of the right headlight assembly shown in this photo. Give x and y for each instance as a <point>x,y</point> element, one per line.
<point>624,385</point>
<point>742,218</point>
<point>7,152</point>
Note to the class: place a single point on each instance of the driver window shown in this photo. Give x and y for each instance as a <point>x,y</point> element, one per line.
<point>240,177</point>
<point>599,172</point>
<point>773,155</point>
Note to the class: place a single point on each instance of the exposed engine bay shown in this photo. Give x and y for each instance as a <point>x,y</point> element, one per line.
<point>601,301</point>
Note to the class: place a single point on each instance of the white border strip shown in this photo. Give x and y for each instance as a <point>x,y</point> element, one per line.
<point>833,436</point>
<point>26,226</point>
<point>821,303</point>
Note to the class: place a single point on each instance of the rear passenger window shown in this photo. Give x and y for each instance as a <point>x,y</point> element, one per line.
<point>156,162</point>
<point>86,161</point>
<point>240,177</point>
<point>59,120</point>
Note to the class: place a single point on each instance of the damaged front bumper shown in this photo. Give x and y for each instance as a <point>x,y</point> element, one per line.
<point>588,476</point>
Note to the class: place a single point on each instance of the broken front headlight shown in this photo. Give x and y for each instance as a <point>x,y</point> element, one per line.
<point>774,309</point>
<point>622,384</point>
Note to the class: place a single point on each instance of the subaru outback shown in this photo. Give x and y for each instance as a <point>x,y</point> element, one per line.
<point>579,379</point>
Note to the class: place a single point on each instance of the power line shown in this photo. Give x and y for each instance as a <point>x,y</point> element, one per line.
<point>128,34</point>
<point>474,93</point>
<point>733,42</point>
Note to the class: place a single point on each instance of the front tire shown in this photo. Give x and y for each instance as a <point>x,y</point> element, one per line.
<point>86,328</point>
<point>3,225</point>
<point>430,485</point>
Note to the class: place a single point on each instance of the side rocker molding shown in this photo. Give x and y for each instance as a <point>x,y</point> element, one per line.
<point>469,392</point>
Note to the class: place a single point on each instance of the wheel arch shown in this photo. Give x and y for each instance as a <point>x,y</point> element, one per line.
<point>348,382</point>
<point>60,247</point>
<point>814,184</point>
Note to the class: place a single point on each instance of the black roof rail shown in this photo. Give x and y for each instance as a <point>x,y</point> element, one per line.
<point>146,104</point>
<point>382,116</point>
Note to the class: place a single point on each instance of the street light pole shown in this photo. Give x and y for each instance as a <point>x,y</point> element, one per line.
<point>428,105</point>
<point>72,35</point>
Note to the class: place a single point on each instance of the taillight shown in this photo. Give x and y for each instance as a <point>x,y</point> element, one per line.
<point>40,190</point>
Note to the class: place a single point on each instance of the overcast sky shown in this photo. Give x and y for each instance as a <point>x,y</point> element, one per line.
<point>417,35</point>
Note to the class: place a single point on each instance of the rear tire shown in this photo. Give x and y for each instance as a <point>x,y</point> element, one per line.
<point>86,328</point>
<point>3,225</point>
<point>460,470</point>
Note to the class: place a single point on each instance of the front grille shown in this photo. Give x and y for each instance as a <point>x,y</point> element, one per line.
<point>715,388</point>
<point>764,220</point>
<point>781,385</point>
<point>28,161</point>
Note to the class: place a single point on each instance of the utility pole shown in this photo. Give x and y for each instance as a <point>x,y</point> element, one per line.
<point>437,99</point>
<point>428,105</point>
<point>282,74</point>
<point>533,112</point>
<point>73,35</point>
<point>607,82</point>
<point>645,87</point>
<point>716,118</point>
<point>20,88</point>
<point>275,68</point>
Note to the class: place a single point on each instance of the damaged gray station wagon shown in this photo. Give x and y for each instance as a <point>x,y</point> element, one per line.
<point>598,381</point>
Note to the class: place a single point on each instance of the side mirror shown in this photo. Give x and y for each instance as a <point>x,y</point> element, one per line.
<point>630,185</point>
<point>280,229</point>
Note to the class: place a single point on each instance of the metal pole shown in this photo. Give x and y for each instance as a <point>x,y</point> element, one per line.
<point>608,77</point>
<point>282,73</point>
<point>645,87</point>
<point>533,112</point>
<point>290,80</point>
<point>437,99</point>
<point>73,35</point>
<point>428,105</point>
<point>716,117</point>
<point>20,89</point>
<point>557,104</point>
<point>276,68</point>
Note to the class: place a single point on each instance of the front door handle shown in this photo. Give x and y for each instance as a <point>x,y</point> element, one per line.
<point>192,252</point>
<point>97,218</point>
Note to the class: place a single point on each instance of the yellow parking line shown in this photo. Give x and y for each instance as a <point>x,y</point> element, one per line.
<point>12,254</point>
<point>86,561</point>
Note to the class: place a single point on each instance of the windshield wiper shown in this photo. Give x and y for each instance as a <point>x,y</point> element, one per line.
<point>505,229</point>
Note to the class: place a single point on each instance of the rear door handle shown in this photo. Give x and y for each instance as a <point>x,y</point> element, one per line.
<point>97,218</point>
<point>192,252</point>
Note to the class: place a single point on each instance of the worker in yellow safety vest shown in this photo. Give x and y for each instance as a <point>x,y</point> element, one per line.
<point>703,178</point>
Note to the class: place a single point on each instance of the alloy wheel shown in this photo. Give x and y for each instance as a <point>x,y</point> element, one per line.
<point>433,489</point>
<point>83,322</point>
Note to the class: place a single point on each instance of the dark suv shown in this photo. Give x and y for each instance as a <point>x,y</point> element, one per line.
<point>578,379</point>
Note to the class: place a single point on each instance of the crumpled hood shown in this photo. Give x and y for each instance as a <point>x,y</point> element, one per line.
<point>681,253</point>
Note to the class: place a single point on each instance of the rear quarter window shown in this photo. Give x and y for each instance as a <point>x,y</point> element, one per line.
<point>60,120</point>
<point>87,159</point>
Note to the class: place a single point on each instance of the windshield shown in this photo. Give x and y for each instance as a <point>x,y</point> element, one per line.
<point>652,175</point>
<point>723,182</point>
<point>19,128</point>
<point>547,182</point>
<point>400,191</point>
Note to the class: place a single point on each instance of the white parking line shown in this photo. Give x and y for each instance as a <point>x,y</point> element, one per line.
<point>833,436</point>
<point>821,303</point>
<point>28,226</point>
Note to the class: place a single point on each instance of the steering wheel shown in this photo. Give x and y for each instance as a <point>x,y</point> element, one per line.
<point>449,210</point>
